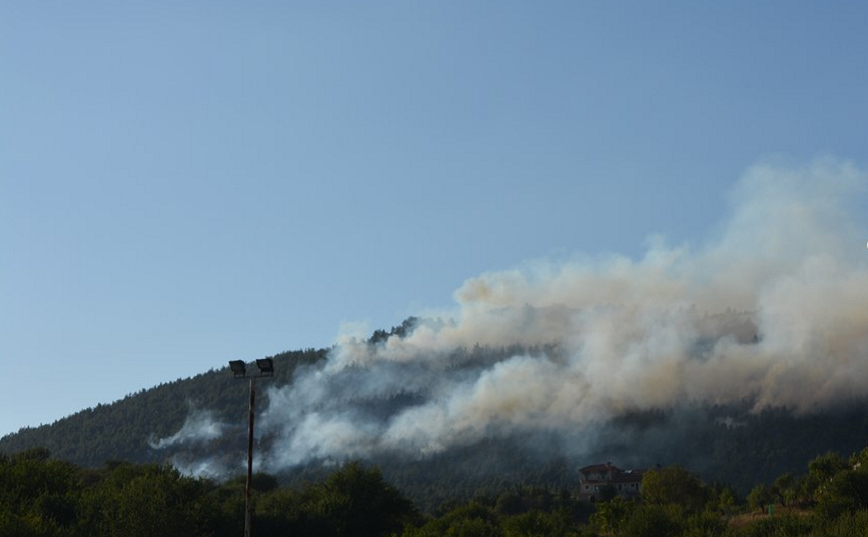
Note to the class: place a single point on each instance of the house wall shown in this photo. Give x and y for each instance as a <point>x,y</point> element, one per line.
<point>626,484</point>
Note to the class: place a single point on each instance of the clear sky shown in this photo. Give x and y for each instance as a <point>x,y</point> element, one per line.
<point>185,183</point>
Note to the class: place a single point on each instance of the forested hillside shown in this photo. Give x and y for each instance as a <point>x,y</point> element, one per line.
<point>723,444</point>
<point>123,430</point>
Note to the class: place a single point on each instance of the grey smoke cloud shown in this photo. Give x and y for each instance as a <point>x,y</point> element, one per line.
<point>772,309</point>
<point>199,426</point>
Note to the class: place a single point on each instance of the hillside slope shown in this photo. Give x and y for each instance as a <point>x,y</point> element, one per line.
<point>125,429</point>
<point>728,444</point>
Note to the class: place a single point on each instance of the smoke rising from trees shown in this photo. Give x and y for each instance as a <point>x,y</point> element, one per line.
<point>772,309</point>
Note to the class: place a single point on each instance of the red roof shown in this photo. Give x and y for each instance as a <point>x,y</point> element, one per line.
<point>599,468</point>
<point>617,475</point>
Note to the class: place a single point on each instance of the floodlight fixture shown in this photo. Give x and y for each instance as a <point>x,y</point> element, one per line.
<point>266,367</point>
<point>238,367</point>
<point>239,370</point>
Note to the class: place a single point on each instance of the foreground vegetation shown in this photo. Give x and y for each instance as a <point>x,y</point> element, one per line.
<point>41,496</point>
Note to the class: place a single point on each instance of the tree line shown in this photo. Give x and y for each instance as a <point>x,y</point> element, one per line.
<point>41,496</point>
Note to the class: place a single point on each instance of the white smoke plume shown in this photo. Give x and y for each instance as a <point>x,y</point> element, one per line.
<point>199,426</point>
<point>772,309</point>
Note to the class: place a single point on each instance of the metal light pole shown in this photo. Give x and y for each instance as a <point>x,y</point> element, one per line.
<point>239,370</point>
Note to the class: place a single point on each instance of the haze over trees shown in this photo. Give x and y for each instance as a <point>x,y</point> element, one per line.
<point>165,461</point>
<point>722,443</point>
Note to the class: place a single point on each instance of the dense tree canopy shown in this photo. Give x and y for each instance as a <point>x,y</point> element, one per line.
<point>498,486</point>
<point>730,444</point>
<point>45,497</point>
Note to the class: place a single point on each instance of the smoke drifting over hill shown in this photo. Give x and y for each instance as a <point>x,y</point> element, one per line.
<point>772,310</point>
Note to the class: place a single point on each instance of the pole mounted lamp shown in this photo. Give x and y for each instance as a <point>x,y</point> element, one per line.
<point>240,371</point>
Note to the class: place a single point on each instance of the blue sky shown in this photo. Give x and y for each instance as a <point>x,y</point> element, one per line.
<point>182,184</point>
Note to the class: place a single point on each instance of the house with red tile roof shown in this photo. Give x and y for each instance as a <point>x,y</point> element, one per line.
<point>602,480</point>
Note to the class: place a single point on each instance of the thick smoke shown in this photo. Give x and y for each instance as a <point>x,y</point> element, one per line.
<point>772,310</point>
